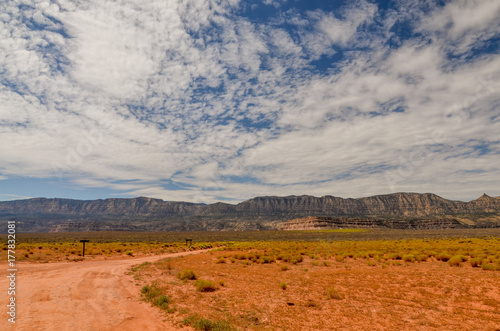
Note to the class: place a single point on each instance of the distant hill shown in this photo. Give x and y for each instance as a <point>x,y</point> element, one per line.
<point>403,210</point>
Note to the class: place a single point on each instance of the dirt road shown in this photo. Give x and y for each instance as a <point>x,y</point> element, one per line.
<point>94,295</point>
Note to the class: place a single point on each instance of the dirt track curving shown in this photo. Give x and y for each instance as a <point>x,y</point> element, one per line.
<point>94,295</point>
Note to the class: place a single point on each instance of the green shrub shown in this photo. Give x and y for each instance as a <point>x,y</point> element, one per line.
<point>331,293</point>
<point>204,324</point>
<point>421,258</point>
<point>267,259</point>
<point>284,267</point>
<point>455,261</point>
<point>161,301</point>
<point>395,256</point>
<point>475,262</point>
<point>205,285</point>
<point>409,258</point>
<point>339,258</point>
<point>489,267</point>
<point>443,257</point>
<point>150,292</point>
<point>283,285</point>
<point>187,274</point>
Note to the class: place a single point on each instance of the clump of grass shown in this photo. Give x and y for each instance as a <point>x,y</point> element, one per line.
<point>283,285</point>
<point>154,294</point>
<point>443,257</point>
<point>409,258</point>
<point>267,259</point>
<point>141,266</point>
<point>371,263</point>
<point>475,262</point>
<point>161,301</point>
<point>489,266</point>
<point>150,292</point>
<point>284,267</point>
<point>205,285</point>
<point>332,293</point>
<point>187,274</point>
<point>421,258</point>
<point>221,259</point>
<point>394,256</point>
<point>204,324</point>
<point>455,261</point>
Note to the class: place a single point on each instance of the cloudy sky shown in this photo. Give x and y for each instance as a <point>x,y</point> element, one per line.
<point>224,100</point>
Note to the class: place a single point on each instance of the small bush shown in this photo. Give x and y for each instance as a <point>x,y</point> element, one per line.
<point>161,301</point>
<point>150,292</point>
<point>475,262</point>
<point>339,258</point>
<point>371,263</point>
<point>331,293</point>
<point>421,258</point>
<point>207,325</point>
<point>443,257</point>
<point>267,259</point>
<point>409,258</point>
<point>187,274</point>
<point>205,285</point>
<point>488,266</point>
<point>395,256</point>
<point>284,267</point>
<point>456,260</point>
<point>283,285</point>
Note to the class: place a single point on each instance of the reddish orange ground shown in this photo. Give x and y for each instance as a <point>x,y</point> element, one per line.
<point>419,296</point>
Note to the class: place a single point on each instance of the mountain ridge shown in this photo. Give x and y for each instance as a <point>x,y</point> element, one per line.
<point>267,212</point>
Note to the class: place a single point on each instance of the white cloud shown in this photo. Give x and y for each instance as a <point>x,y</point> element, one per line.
<point>341,31</point>
<point>188,91</point>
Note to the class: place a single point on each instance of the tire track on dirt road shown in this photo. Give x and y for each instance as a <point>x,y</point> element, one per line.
<point>89,295</point>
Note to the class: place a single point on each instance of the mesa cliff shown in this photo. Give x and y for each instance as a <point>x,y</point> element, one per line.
<point>398,210</point>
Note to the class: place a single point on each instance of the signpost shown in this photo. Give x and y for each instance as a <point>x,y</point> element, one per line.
<point>84,241</point>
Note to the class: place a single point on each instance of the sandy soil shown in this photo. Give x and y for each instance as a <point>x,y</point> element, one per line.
<point>416,296</point>
<point>94,295</point>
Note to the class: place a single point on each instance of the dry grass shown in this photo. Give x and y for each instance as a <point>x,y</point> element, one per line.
<point>362,285</point>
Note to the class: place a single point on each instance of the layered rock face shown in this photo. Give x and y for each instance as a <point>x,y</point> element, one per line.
<point>142,213</point>
<point>329,223</point>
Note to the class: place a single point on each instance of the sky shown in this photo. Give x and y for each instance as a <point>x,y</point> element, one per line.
<point>226,100</point>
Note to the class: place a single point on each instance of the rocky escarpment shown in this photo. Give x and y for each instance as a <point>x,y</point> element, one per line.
<point>269,212</point>
<point>329,223</point>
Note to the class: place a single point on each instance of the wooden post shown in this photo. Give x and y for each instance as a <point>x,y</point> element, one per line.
<point>84,241</point>
<point>189,241</point>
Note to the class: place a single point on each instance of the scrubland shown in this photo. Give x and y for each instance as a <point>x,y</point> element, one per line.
<point>305,280</point>
<point>426,284</point>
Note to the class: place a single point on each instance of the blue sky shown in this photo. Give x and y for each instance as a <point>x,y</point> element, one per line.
<point>208,101</point>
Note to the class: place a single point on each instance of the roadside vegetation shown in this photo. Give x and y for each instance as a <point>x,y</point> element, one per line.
<point>313,285</point>
<point>303,280</point>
